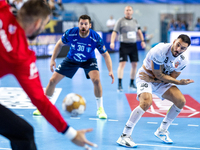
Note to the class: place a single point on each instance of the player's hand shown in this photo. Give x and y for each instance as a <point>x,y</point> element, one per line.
<point>112,46</point>
<point>186,81</point>
<point>143,44</point>
<point>145,77</point>
<point>81,140</point>
<point>52,64</point>
<point>112,76</point>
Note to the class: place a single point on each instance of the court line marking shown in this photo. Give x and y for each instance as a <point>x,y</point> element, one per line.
<point>170,146</point>
<point>193,125</point>
<point>152,122</point>
<point>112,120</point>
<point>6,148</point>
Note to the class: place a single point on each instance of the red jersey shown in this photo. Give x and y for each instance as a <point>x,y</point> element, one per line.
<point>17,59</point>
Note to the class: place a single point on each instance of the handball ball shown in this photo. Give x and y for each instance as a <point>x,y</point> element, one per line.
<point>74,104</point>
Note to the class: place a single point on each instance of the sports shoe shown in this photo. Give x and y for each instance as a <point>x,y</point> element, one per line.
<point>36,112</point>
<point>126,141</point>
<point>132,87</point>
<point>163,135</point>
<point>120,89</point>
<point>101,113</point>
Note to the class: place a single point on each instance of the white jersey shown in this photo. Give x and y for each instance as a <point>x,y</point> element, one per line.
<point>161,54</point>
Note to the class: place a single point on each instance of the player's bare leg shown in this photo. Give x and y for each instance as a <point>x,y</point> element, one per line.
<point>56,77</point>
<point>145,102</point>
<point>132,76</point>
<point>174,95</point>
<point>94,76</point>
<point>120,72</point>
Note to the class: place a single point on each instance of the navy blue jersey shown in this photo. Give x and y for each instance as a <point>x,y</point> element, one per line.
<point>82,49</point>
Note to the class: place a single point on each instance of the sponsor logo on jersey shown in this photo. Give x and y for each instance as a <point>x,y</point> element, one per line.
<point>4,38</point>
<point>12,29</point>
<point>156,60</point>
<point>72,34</point>
<point>176,64</point>
<point>93,39</point>
<point>75,40</point>
<point>166,60</point>
<point>182,57</point>
<point>79,55</point>
<point>89,45</point>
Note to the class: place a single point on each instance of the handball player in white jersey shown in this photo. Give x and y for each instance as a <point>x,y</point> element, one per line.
<point>162,65</point>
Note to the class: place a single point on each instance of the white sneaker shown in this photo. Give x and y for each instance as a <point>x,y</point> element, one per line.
<point>163,135</point>
<point>132,87</point>
<point>126,141</point>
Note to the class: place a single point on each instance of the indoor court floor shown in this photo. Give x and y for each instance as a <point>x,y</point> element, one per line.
<point>184,131</point>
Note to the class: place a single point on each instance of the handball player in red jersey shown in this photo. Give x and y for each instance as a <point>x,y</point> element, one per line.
<point>17,59</point>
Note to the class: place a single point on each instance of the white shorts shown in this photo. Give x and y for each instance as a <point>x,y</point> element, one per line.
<point>151,87</point>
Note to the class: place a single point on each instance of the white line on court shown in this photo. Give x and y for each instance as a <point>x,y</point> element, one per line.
<point>74,117</point>
<point>170,146</point>
<point>174,124</point>
<point>6,148</point>
<point>112,120</point>
<point>93,118</point>
<point>152,122</point>
<point>193,125</point>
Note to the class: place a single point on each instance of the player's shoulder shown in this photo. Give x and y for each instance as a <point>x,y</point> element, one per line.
<point>161,48</point>
<point>184,58</point>
<point>94,34</point>
<point>73,31</point>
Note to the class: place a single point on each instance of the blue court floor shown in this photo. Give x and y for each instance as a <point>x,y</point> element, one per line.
<point>185,131</point>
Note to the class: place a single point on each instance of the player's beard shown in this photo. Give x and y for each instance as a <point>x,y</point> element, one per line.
<point>175,53</point>
<point>35,34</point>
<point>83,32</point>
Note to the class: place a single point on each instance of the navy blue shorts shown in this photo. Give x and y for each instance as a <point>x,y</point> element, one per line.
<point>69,67</point>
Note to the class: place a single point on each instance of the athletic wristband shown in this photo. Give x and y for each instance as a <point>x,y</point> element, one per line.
<point>70,133</point>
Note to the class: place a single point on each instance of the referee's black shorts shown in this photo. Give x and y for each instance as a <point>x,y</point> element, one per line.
<point>128,49</point>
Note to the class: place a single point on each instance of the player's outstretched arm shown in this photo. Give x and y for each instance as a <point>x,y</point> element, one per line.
<point>81,140</point>
<point>109,65</point>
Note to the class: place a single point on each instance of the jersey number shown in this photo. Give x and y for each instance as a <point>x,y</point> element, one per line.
<point>81,48</point>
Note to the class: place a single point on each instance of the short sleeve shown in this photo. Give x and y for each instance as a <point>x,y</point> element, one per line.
<point>157,55</point>
<point>100,46</point>
<point>117,25</point>
<point>65,36</point>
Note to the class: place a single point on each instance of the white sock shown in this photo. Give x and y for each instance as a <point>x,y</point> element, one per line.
<point>135,116</point>
<point>169,118</point>
<point>99,101</point>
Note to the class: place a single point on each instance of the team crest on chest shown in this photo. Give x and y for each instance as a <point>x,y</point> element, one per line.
<point>12,29</point>
<point>176,64</point>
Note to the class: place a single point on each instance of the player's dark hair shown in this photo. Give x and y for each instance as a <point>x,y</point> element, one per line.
<point>84,17</point>
<point>33,10</point>
<point>185,39</point>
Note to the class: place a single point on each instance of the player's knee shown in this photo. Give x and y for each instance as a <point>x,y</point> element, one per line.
<point>181,102</point>
<point>145,101</point>
<point>96,81</point>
